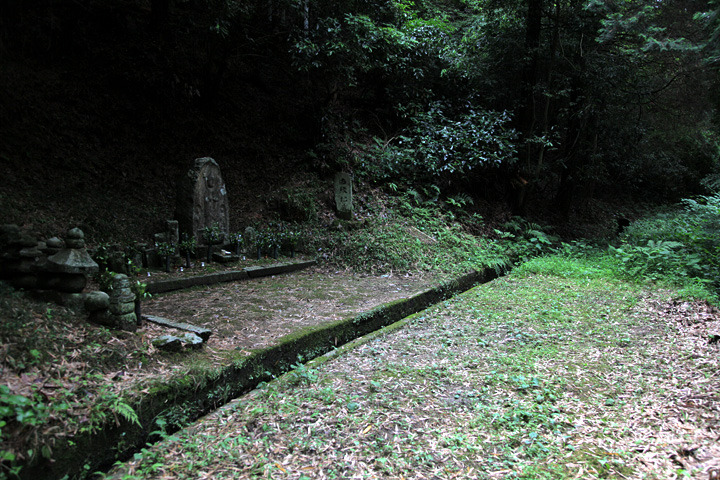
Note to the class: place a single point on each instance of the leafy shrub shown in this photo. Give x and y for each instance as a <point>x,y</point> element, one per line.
<point>698,228</point>
<point>658,260</point>
<point>407,237</point>
<point>105,280</point>
<point>440,146</point>
<point>524,240</point>
<point>300,374</point>
<point>680,247</point>
<point>212,235</point>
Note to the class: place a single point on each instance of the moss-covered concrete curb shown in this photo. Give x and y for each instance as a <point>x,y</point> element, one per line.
<point>185,401</point>
<point>161,286</point>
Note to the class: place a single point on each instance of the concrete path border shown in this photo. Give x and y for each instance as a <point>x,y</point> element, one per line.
<point>161,286</point>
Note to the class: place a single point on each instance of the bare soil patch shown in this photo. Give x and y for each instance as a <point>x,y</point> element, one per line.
<point>254,314</point>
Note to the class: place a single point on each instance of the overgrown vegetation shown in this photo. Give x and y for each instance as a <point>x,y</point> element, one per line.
<point>678,247</point>
<point>542,108</point>
<point>58,372</point>
<point>532,105</point>
<point>438,149</point>
<point>407,235</point>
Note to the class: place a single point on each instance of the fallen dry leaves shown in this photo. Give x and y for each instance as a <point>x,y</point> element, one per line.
<point>481,388</point>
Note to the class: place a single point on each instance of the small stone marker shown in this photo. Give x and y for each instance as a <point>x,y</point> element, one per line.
<point>122,304</point>
<point>250,237</point>
<point>343,196</point>
<point>223,256</point>
<point>191,340</point>
<point>173,234</point>
<point>68,269</point>
<point>97,301</point>
<point>172,343</point>
<point>169,343</point>
<point>53,245</point>
<point>201,332</point>
<point>202,199</point>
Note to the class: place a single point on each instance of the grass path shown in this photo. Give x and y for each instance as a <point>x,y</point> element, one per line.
<point>533,376</point>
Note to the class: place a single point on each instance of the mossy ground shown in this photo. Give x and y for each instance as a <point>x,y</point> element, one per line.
<point>77,376</point>
<point>535,375</point>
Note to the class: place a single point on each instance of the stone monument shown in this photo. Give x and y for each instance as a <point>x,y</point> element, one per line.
<point>202,200</point>
<point>68,269</point>
<point>343,196</point>
<point>250,237</point>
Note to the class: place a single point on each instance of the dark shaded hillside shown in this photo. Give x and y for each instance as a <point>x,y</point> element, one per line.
<point>103,103</point>
<point>99,113</point>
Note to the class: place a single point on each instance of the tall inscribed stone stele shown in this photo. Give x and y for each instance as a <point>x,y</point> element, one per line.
<point>343,196</point>
<point>202,200</point>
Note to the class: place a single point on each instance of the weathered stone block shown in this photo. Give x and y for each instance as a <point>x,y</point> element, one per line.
<point>201,332</point>
<point>343,196</point>
<point>75,239</point>
<point>71,260</point>
<point>192,340</point>
<point>250,237</point>
<point>120,282</point>
<point>119,308</point>
<point>224,257</point>
<point>95,301</point>
<point>64,282</point>
<point>168,343</point>
<point>202,199</point>
<point>127,322</point>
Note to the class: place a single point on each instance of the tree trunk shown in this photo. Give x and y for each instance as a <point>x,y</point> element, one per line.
<point>138,312</point>
<point>527,113</point>
<point>573,144</point>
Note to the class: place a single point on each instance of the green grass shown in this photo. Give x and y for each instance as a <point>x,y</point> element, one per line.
<point>405,237</point>
<point>559,370</point>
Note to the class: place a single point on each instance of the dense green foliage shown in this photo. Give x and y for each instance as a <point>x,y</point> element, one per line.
<point>539,103</point>
<point>436,148</point>
<point>677,248</point>
<point>558,102</point>
<point>680,246</point>
<point>570,99</point>
<point>438,101</point>
<point>404,236</point>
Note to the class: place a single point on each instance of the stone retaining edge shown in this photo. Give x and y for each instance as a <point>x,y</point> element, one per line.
<point>89,453</point>
<point>162,286</point>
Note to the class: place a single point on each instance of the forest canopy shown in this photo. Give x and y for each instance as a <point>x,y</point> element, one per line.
<point>529,99</point>
<point>559,101</point>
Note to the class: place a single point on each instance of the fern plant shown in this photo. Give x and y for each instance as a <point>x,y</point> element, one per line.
<point>525,239</point>
<point>119,407</point>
